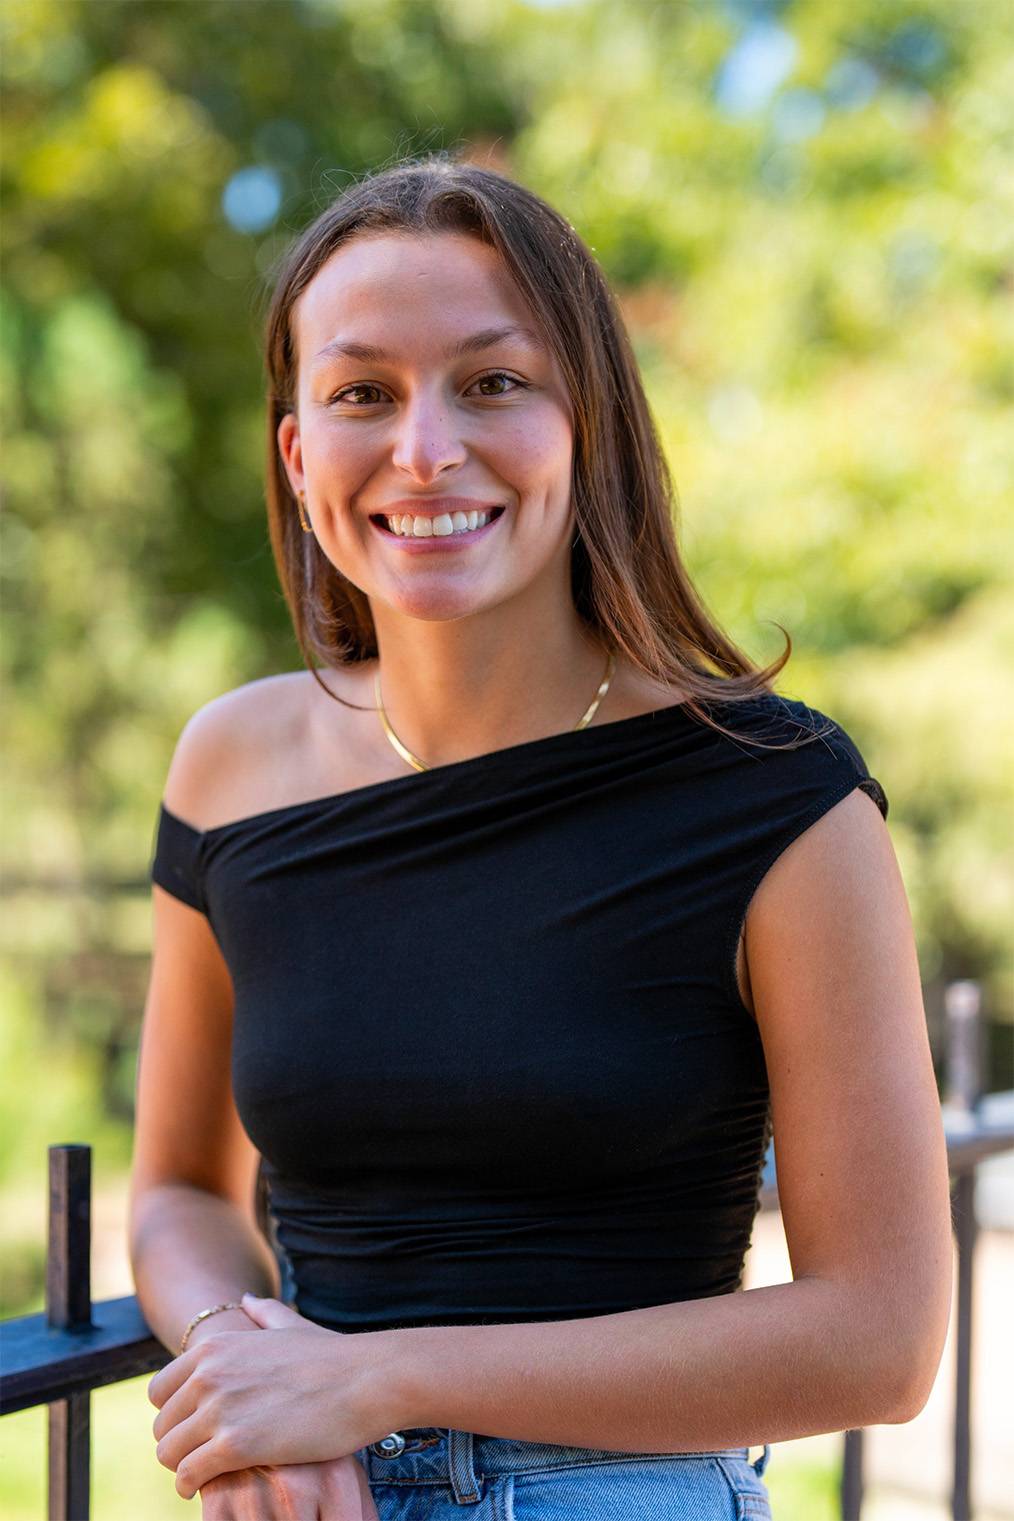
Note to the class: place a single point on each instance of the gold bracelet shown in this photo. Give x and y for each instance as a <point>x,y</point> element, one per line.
<point>203,1315</point>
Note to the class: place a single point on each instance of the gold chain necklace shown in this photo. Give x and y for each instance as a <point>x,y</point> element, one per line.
<point>419,765</point>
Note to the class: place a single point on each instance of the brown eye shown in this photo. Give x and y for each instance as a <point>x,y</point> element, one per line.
<point>348,391</point>
<point>499,375</point>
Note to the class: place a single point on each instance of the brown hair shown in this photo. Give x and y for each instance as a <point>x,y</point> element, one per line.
<point>629,583</point>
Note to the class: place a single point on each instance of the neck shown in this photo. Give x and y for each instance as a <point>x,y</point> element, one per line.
<point>464,687</point>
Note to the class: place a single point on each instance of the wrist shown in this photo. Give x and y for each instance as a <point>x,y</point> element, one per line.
<point>420,1356</point>
<point>396,1383</point>
<point>223,1320</point>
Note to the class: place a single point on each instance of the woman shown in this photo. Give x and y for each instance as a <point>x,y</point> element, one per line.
<point>505,937</point>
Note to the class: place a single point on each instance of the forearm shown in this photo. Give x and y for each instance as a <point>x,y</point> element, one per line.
<point>763,1365</point>
<point>190,1249</point>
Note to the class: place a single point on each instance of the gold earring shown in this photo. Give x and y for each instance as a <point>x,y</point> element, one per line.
<point>304,522</point>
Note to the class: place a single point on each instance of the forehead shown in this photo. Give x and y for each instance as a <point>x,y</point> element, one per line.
<point>392,288</point>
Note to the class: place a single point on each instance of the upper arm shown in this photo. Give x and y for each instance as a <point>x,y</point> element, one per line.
<point>859,1144</point>
<point>187,1128</point>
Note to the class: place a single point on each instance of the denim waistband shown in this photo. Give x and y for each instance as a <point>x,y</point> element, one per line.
<point>463,1459</point>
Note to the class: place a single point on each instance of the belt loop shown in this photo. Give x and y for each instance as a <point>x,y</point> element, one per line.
<point>464,1484</point>
<point>762,1461</point>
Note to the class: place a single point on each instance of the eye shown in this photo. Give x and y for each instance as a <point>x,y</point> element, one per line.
<point>347,394</point>
<point>500,375</point>
<point>363,386</point>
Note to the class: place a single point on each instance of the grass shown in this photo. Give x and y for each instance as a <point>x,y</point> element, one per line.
<point>802,1491</point>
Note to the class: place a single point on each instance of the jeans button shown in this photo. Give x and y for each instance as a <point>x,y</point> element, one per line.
<point>389,1446</point>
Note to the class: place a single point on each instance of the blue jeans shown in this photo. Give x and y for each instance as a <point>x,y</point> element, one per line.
<point>434,1471</point>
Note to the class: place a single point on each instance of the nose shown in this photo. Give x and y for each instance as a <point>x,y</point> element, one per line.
<point>428,438</point>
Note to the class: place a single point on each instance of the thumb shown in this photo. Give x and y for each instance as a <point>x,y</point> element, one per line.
<point>271,1314</point>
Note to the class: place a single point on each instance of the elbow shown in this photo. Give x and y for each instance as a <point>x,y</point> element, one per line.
<point>913,1374</point>
<point>900,1363</point>
<point>885,1396</point>
<point>913,1337</point>
<point>908,1410</point>
<point>912,1392</point>
<point>907,1404</point>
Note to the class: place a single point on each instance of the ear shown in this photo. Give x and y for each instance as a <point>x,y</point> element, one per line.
<point>290,448</point>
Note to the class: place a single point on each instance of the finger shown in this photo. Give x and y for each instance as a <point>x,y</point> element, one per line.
<point>168,1379</point>
<point>176,1409</point>
<point>271,1314</point>
<point>204,1463</point>
<point>182,1440</point>
<point>367,1504</point>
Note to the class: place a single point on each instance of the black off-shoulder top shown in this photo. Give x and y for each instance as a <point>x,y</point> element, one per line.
<point>487,1033</point>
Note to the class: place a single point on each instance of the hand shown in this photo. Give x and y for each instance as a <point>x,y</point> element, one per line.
<point>300,1394</point>
<point>337,1490</point>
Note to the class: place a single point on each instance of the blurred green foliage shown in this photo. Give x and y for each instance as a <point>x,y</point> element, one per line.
<point>807,209</point>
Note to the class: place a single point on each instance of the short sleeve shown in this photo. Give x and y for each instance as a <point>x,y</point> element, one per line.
<point>176,863</point>
<point>788,792</point>
<point>859,772</point>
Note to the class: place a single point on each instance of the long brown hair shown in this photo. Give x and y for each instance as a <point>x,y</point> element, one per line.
<point>628,580</point>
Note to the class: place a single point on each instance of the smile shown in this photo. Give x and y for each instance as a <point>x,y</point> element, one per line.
<point>446,530</point>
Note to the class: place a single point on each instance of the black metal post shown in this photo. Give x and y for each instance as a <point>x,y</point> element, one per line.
<point>963,1076</point>
<point>69,1308</point>
<point>963,1006</point>
<point>966,1230</point>
<point>851,1491</point>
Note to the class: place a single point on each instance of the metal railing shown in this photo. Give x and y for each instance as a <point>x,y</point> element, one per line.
<point>57,1357</point>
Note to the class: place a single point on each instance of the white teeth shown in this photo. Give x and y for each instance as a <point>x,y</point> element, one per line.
<point>406,526</point>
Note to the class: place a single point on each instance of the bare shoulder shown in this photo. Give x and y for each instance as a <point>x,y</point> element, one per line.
<point>252,748</point>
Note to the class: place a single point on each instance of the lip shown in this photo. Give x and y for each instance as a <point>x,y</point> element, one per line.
<point>431,545</point>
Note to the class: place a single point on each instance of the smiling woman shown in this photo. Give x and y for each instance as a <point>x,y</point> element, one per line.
<point>503,937</point>
<point>417,405</point>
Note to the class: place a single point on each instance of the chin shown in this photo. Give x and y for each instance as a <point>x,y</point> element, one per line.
<point>436,605</point>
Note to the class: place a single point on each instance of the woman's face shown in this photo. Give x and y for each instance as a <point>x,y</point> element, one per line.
<point>424,391</point>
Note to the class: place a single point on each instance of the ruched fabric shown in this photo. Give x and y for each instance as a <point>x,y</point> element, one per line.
<point>487,1034</point>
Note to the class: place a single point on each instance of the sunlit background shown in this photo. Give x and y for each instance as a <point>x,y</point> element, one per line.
<point>808,212</point>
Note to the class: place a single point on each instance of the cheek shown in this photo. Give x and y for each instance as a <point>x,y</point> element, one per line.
<point>347,463</point>
<point>342,455</point>
<point>536,450</point>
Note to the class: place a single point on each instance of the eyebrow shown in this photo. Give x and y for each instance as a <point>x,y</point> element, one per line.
<point>486,339</point>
